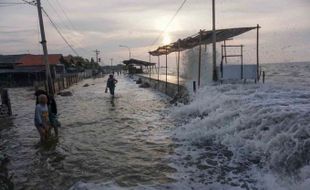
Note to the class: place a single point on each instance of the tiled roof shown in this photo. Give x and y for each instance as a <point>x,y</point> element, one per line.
<point>36,60</point>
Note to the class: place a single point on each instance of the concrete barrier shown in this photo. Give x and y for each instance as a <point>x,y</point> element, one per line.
<point>179,93</point>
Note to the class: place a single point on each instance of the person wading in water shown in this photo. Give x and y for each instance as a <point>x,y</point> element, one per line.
<point>41,119</point>
<point>111,84</point>
<point>52,110</point>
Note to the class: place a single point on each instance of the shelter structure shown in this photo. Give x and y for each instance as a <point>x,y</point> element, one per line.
<point>204,37</point>
<point>132,63</point>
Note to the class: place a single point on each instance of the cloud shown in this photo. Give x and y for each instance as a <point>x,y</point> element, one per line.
<point>104,24</point>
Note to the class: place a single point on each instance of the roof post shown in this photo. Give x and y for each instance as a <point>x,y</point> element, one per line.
<point>199,60</point>
<point>214,41</point>
<point>257,52</point>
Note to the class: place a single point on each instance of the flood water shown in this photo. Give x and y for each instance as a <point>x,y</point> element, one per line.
<point>121,140</point>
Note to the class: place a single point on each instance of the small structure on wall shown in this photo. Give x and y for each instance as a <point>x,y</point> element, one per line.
<point>136,66</point>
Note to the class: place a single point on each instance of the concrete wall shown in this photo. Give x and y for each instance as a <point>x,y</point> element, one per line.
<point>171,90</point>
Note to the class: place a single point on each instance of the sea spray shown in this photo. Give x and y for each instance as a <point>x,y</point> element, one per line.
<point>265,127</point>
<point>190,68</point>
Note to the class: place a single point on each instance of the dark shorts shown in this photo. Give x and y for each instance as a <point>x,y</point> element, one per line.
<point>40,127</point>
<point>111,89</point>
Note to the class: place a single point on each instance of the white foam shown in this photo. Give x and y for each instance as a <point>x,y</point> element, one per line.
<point>269,123</point>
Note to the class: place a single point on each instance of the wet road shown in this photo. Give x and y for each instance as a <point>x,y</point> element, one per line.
<point>122,140</point>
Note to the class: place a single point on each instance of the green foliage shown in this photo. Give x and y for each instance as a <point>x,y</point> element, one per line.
<point>79,63</point>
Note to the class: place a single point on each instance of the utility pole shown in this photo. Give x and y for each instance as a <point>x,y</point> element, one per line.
<point>97,55</point>
<point>111,62</point>
<point>49,88</point>
<point>214,41</point>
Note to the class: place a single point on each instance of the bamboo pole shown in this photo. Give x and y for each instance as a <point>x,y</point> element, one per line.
<point>178,67</point>
<point>166,71</point>
<point>214,41</point>
<point>257,51</point>
<point>158,70</point>
<point>242,62</point>
<point>199,59</point>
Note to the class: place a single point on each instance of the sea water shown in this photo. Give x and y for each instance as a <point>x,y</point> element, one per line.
<point>249,136</point>
<point>230,136</point>
<point>242,136</point>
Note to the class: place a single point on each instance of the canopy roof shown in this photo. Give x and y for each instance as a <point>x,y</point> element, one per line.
<point>203,37</point>
<point>138,62</point>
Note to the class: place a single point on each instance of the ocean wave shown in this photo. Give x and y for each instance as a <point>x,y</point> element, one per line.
<point>266,127</point>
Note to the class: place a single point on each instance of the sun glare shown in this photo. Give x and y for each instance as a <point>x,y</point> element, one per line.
<point>166,39</point>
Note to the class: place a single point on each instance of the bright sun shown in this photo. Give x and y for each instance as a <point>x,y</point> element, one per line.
<point>166,39</point>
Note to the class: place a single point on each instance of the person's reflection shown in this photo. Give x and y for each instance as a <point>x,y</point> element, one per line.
<point>112,102</point>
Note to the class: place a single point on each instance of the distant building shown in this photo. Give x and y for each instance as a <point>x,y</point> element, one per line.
<point>23,70</point>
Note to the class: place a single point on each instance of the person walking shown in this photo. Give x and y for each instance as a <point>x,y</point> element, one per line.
<point>111,84</point>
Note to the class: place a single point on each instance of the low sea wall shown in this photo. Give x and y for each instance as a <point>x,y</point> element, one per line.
<point>171,89</point>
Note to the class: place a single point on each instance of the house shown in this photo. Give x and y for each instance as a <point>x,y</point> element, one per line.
<point>24,69</point>
<point>35,63</point>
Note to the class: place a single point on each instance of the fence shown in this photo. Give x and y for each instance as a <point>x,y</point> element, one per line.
<point>64,81</point>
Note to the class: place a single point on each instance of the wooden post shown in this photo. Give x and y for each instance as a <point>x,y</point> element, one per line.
<point>194,86</point>
<point>199,59</point>
<point>225,51</point>
<point>178,66</point>
<point>222,60</point>
<point>150,59</point>
<point>166,71</point>
<point>241,62</point>
<point>158,70</point>
<point>257,51</point>
<point>214,41</point>
<point>6,100</point>
<point>264,76</point>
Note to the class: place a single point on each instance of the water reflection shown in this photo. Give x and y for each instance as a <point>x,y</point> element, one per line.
<point>120,139</point>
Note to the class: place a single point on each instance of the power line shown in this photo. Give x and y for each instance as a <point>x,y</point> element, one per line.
<point>74,28</point>
<point>58,15</point>
<point>11,3</point>
<point>30,2</point>
<point>66,15</point>
<point>171,20</point>
<point>59,32</point>
<point>63,19</point>
<point>168,24</point>
<point>55,26</point>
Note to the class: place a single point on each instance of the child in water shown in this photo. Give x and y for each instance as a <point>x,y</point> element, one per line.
<point>41,118</point>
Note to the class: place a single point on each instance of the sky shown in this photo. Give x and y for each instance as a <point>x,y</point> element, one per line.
<point>107,24</point>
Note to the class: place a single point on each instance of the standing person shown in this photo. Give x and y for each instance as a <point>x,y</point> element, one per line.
<point>111,84</point>
<point>41,119</point>
<point>52,109</point>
